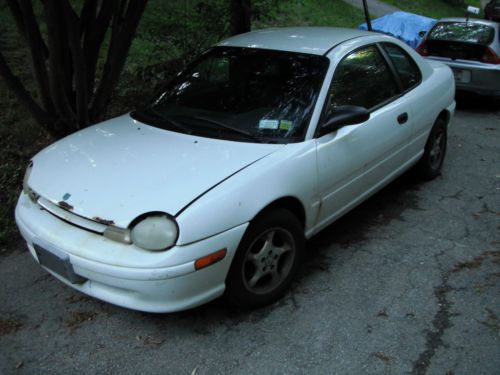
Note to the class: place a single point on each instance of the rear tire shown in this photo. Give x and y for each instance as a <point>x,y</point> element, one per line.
<point>267,258</point>
<point>429,166</point>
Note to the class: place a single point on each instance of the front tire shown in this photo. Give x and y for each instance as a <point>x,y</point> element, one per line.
<point>267,258</point>
<point>429,166</point>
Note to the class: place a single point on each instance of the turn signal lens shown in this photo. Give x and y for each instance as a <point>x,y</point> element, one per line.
<point>210,259</point>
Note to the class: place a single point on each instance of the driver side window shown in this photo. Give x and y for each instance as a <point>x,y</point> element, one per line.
<point>362,78</point>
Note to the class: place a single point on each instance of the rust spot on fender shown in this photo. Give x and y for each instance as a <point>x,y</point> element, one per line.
<point>103,221</point>
<point>65,205</point>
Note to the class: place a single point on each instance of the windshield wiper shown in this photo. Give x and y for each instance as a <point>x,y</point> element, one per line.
<point>228,127</point>
<point>159,120</point>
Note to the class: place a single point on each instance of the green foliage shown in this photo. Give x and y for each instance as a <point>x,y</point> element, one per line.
<point>177,29</point>
<point>435,8</point>
<point>307,13</point>
<point>181,30</point>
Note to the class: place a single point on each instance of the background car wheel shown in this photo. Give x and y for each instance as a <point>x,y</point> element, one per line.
<point>266,260</point>
<point>431,162</point>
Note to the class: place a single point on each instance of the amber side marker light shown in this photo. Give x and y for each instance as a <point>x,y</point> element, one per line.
<point>210,259</point>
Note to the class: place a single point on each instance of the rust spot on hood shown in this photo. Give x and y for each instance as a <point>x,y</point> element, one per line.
<point>65,205</point>
<point>103,221</point>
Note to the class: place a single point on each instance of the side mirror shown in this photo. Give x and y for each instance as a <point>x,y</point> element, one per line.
<point>422,33</point>
<point>344,115</point>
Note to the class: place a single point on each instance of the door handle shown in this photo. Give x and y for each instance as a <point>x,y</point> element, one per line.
<point>402,118</point>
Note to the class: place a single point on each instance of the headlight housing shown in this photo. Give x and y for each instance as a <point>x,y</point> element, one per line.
<point>155,232</point>
<point>26,188</point>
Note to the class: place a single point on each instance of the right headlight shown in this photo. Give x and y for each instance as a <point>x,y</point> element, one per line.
<point>155,232</point>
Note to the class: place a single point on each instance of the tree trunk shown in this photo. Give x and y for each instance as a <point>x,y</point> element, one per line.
<point>121,38</point>
<point>65,62</point>
<point>240,16</point>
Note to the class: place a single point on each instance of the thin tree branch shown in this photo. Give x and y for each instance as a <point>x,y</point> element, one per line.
<point>88,16</point>
<point>121,41</point>
<point>93,40</point>
<point>15,10</point>
<point>78,64</point>
<point>40,116</point>
<point>32,32</point>
<point>56,31</point>
<point>17,14</point>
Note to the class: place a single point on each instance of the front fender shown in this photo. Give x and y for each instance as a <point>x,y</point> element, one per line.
<point>289,172</point>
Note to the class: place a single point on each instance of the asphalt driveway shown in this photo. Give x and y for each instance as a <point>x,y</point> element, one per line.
<point>409,282</point>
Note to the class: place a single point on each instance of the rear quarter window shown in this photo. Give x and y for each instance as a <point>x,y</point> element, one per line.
<point>408,71</point>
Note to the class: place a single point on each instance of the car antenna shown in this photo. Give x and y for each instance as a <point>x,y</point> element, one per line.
<point>470,10</point>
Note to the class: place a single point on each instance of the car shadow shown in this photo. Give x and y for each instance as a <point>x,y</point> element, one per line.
<point>470,102</point>
<point>354,227</point>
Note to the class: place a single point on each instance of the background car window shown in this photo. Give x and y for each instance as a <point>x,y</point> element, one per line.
<point>362,78</point>
<point>407,69</point>
<point>462,32</point>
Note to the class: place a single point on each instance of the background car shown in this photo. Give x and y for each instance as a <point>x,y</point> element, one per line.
<point>471,48</point>
<point>214,186</point>
<point>492,10</point>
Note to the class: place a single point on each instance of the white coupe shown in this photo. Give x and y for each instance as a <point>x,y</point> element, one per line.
<point>214,186</point>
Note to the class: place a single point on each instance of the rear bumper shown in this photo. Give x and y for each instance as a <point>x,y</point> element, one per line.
<point>484,78</point>
<point>167,287</point>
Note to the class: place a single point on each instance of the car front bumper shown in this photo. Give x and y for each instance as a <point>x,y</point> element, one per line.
<point>165,282</point>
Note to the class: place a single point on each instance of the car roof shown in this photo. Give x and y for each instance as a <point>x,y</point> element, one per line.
<point>312,40</point>
<point>471,20</point>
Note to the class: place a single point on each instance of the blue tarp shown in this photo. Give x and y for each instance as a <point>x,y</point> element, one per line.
<point>402,25</point>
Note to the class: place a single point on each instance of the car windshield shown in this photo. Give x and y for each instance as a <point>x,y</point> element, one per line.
<point>241,94</point>
<point>467,32</point>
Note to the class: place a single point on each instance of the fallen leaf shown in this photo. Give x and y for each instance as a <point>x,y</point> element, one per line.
<point>382,356</point>
<point>383,313</point>
<point>153,341</point>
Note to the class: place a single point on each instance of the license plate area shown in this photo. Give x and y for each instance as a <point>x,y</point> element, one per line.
<point>462,75</point>
<point>58,263</point>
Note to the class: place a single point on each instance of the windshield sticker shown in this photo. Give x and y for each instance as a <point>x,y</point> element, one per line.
<point>268,124</point>
<point>286,124</point>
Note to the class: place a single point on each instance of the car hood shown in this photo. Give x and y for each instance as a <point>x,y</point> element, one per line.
<point>120,169</point>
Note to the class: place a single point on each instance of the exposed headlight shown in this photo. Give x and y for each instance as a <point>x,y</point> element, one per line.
<point>155,232</point>
<point>26,188</point>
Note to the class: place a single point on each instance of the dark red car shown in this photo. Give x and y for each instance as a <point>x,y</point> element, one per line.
<point>492,10</point>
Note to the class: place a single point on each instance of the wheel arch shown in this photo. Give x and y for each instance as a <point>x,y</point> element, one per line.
<point>292,204</point>
<point>444,115</point>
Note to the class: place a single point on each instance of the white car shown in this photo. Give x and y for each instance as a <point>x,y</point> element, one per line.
<point>214,187</point>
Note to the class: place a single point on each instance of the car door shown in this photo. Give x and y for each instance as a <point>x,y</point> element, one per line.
<point>355,160</point>
<point>415,93</point>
